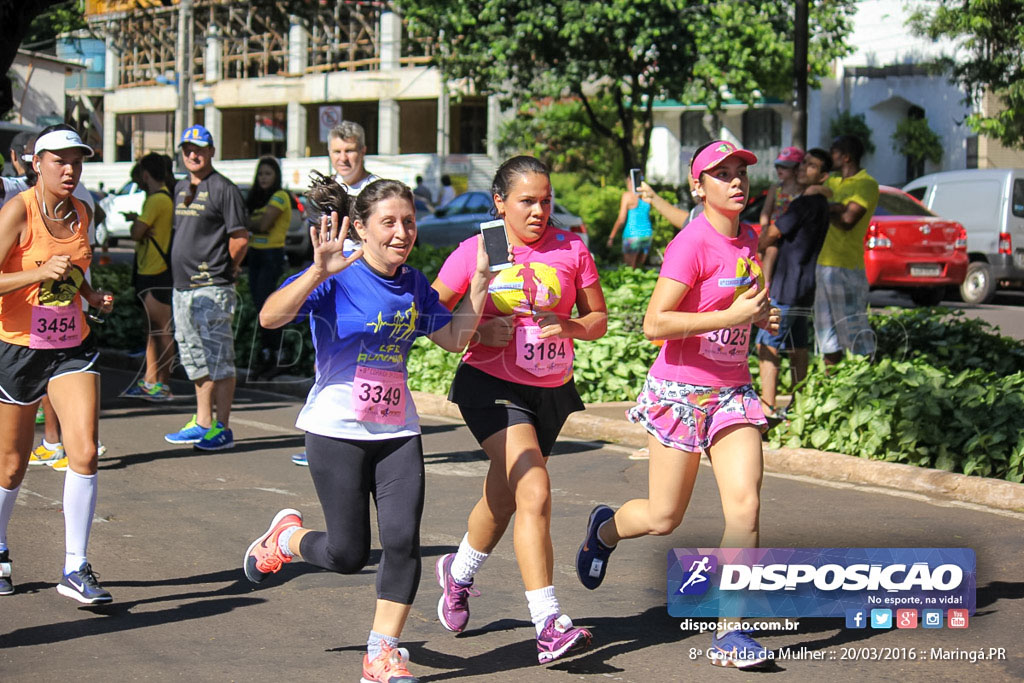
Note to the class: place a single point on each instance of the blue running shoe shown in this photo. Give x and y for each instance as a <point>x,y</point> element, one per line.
<point>737,649</point>
<point>83,586</point>
<point>217,438</point>
<point>592,557</point>
<point>190,433</point>
<point>300,459</point>
<point>6,585</point>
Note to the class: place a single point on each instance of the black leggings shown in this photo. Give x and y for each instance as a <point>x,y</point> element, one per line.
<point>345,472</point>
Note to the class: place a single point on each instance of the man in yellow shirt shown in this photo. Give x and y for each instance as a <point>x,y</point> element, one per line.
<point>841,298</point>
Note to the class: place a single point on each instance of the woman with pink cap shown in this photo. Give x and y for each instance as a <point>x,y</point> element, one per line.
<point>698,395</point>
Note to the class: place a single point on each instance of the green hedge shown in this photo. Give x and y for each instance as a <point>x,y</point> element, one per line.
<point>910,411</point>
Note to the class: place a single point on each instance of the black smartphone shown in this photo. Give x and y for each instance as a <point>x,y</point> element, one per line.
<point>636,176</point>
<point>496,244</point>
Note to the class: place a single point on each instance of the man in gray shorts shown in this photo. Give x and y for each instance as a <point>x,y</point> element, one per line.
<point>210,240</point>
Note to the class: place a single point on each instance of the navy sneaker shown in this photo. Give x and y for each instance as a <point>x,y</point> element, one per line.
<point>190,433</point>
<point>83,586</point>
<point>217,438</point>
<point>300,459</point>
<point>592,557</point>
<point>737,649</point>
<point>6,585</point>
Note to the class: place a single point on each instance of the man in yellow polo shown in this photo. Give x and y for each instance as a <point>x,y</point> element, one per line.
<point>841,297</point>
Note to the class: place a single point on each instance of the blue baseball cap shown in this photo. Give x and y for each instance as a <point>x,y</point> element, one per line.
<point>196,135</point>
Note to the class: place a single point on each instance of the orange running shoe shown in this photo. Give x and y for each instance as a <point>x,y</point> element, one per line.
<point>263,556</point>
<point>388,667</point>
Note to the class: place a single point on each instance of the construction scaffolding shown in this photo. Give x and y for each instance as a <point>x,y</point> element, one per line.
<point>251,40</point>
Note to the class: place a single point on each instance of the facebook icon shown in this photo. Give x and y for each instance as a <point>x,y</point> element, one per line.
<point>856,618</point>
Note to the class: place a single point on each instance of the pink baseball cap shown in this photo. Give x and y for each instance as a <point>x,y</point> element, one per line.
<point>789,157</point>
<point>717,152</point>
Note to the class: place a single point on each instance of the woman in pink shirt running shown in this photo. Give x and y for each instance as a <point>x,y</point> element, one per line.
<point>515,389</point>
<point>698,395</point>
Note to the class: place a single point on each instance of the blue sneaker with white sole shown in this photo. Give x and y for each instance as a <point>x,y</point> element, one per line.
<point>83,585</point>
<point>217,438</point>
<point>192,432</point>
<point>737,649</point>
<point>300,460</point>
<point>592,557</point>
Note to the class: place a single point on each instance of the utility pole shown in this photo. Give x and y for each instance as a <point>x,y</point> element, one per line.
<point>800,71</point>
<point>183,116</point>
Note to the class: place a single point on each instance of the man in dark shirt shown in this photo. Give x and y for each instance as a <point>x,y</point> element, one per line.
<point>210,239</point>
<point>798,233</point>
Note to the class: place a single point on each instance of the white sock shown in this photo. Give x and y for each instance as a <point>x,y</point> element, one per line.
<point>51,446</point>
<point>543,604</point>
<point>284,538</point>
<point>467,562</point>
<point>7,498</point>
<point>79,507</point>
<point>374,642</point>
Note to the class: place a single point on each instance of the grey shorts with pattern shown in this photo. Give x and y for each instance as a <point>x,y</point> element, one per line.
<point>202,328</point>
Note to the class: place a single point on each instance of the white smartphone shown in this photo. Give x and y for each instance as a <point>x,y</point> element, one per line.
<point>496,244</point>
<point>636,176</point>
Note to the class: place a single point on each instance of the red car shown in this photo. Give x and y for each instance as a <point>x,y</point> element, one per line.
<point>909,247</point>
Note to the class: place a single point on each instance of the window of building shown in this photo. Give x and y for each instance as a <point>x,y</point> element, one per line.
<point>692,129</point>
<point>972,152</point>
<point>469,126</point>
<point>762,129</point>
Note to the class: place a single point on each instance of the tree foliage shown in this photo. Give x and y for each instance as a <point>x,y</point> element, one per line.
<point>846,123</point>
<point>915,138</point>
<point>560,133</point>
<point>629,53</point>
<point>990,35</point>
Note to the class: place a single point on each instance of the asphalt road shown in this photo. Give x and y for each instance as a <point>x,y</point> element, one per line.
<point>172,526</point>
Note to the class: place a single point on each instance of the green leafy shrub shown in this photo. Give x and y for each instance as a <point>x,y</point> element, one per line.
<point>892,410</point>
<point>125,326</point>
<point>946,338</point>
<point>846,123</point>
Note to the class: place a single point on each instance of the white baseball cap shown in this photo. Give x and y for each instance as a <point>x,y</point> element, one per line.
<point>60,139</point>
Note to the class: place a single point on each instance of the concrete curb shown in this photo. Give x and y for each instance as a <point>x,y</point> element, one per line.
<point>824,465</point>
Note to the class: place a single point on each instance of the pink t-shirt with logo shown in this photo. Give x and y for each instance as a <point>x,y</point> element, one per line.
<point>717,269</point>
<point>546,276</point>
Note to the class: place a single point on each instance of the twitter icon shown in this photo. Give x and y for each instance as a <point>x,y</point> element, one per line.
<point>881,618</point>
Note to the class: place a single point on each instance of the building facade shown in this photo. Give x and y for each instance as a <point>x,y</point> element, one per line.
<point>276,84</point>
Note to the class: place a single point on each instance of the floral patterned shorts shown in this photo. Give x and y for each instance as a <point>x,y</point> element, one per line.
<point>687,416</point>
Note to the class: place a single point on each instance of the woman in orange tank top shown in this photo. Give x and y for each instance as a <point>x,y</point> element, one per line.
<point>46,348</point>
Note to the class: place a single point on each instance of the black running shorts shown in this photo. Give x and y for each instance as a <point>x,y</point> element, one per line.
<point>489,404</point>
<point>25,372</point>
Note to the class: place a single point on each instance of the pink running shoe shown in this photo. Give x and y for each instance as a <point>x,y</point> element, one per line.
<point>453,607</point>
<point>263,557</point>
<point>559,637</point>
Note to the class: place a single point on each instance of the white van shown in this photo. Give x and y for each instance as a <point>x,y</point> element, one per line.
<point>989,202</point>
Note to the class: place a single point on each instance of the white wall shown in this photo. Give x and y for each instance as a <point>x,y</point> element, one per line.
<point>45,89</point>
<point>880,36</point>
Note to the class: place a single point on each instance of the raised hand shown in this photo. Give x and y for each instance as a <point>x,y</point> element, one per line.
<point>329,244</point>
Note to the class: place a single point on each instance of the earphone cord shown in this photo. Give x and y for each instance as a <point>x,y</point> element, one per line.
<point>75,224</point>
